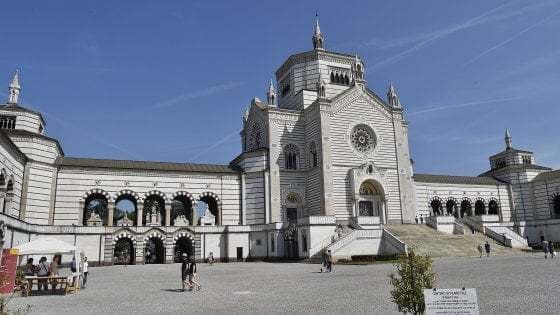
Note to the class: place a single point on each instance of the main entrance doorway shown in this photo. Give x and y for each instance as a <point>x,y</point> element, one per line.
<point>183,246</point>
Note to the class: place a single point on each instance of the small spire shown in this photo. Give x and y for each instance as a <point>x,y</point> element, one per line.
<point>392,97</point>
<point>508,139</point>
<point>271,94</point>
<point>14,89</point>
<point>318,38</point>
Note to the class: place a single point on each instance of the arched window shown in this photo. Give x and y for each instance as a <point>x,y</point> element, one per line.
<point>182,206</point>
<point>479,207</point>
<point>436,207</point>
<point>291,154</point>
<point>493,207</point>
<point>213,207</point>
<point>313,154</point>
<point>125,210</point>
<point>332,77</point>
<point>466,208</point>
<point>450,206</point>
<point>10,186</point>
<point>556,205</point>
<point>95,206</point>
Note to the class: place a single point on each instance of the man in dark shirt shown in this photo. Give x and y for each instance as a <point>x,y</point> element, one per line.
<point>184,270</point>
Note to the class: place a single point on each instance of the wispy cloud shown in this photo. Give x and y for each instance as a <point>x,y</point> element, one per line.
<point>512,38</point>
<point>74,128</point>
<point>463,105</point>
<point>422,40</point>
<point>216,144</point>
<point>197,94</point>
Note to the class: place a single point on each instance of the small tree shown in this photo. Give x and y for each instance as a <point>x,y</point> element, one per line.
<point>414,274</point>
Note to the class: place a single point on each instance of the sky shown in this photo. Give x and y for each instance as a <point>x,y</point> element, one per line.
<point>170,81</point>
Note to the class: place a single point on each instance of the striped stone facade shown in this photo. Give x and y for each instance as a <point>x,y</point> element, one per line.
<point>322,150</point>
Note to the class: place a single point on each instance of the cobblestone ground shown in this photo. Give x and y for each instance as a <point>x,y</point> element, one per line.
<point>505,285</point>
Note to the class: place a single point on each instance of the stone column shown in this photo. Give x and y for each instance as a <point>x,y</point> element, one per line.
<point>111,213</point>
<point>168,214</point>
<point>139,215</point>
<point>194,214</point>
<point>485,208</point>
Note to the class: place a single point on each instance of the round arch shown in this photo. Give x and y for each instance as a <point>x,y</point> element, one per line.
<point>154,208</point>
<point>120,199</point>
<point>479,207</point>
<point>184,244</point>
<point>95,207</point>
<point>124,248</point>
<point>450,206</point>
<point>214,204</point>
<point>493,206</point>
<point>436,204</point>
<point>154,247</point>
<point>466,207</point>
<point>183,203</point>
<point>371,199</point>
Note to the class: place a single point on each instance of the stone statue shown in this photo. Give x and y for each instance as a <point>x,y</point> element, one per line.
<point>94,219</point>
<point>181,220</point>
<point>124,221</point>
<point>208,218</point>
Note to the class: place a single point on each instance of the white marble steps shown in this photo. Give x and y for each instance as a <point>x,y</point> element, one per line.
<point>425,240</point>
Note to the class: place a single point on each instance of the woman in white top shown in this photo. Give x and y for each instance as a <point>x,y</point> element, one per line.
<point>85,269</point>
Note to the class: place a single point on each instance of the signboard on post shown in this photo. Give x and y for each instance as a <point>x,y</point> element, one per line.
<point>451,301</point>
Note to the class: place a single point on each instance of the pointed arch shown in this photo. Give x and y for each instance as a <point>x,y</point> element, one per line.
<point>313,156</point>
<point>291,156</point>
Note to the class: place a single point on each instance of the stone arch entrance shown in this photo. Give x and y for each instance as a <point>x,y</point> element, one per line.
<point>124,249</point>
<point>184,243</point>
<point>371,199</point>
<point>154,250</point>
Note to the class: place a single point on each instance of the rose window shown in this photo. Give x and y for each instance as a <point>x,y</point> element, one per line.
<point>362,139</point>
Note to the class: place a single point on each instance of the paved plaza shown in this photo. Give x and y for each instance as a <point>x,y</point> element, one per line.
<point>505,285</point>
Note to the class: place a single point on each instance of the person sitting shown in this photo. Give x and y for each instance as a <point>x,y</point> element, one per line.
<point>30,269</point>
<point>42,271</point>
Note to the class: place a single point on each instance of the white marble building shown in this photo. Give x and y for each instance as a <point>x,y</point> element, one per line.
<point>322,151</point>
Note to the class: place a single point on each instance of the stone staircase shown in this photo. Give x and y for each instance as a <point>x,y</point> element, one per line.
<point>425,240</point>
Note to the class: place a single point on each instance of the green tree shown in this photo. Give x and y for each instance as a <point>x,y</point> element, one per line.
<point>414,274</point>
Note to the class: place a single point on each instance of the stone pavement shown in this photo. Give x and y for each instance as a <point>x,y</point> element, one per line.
<point>505,285</point>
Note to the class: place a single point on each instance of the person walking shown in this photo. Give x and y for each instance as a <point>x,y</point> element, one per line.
<point>545,249</point>
<point>85,266</point>
<point>329,261</point>
<point>551,249</point>
<point>211,258</point>
<point>184,270</point>
<point>480,249</point>
<point>192,275</point>
<point>324,260</point>
<point>421,219</point>
<point>487,248</point>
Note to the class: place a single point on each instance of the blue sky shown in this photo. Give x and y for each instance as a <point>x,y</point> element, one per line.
<point>170,80</point>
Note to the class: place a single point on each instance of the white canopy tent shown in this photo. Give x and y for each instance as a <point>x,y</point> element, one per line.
<point>47,246</point>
